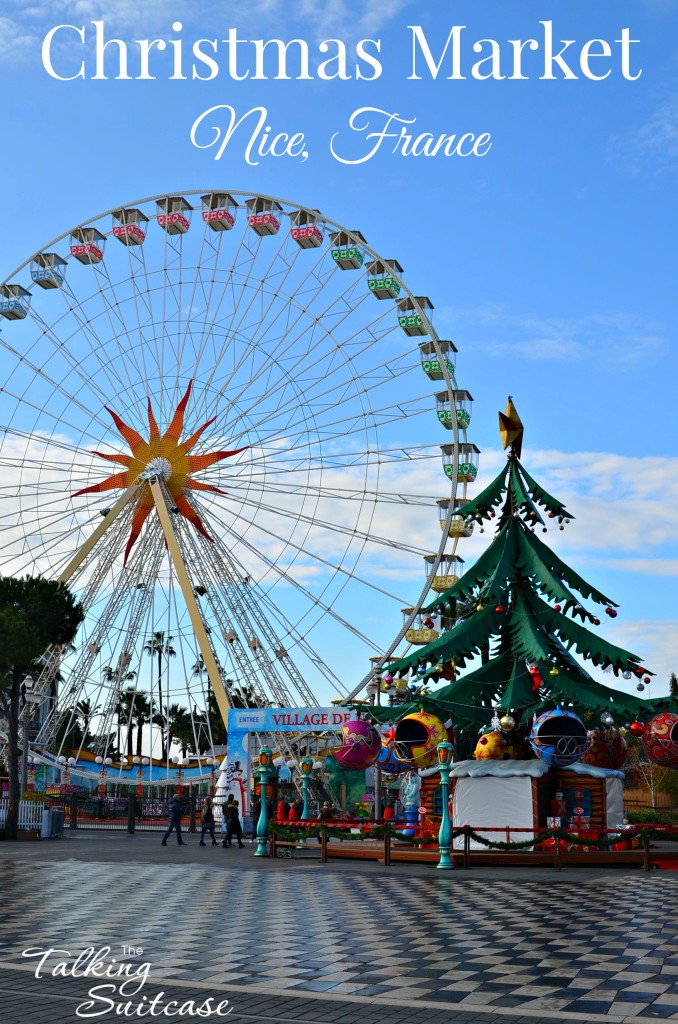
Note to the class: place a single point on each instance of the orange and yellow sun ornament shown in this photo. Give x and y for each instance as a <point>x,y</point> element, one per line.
<point>166,458</point>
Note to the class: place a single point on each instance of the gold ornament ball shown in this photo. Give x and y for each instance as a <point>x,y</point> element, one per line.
<point>507,722</point>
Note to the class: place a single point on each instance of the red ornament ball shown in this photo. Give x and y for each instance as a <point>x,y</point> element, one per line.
<point>637,728</point>
<point>596,622</point>
<point>646,679</point>
<point>556,608</point>
<point>499,608</point>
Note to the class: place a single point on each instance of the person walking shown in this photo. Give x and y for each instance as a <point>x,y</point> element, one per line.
<point>207,822</point>
<point>174,813</point>
<point>283,811</point>
<point>233,826</point>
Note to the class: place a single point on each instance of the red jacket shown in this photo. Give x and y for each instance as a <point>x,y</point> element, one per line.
<point>282,812</point>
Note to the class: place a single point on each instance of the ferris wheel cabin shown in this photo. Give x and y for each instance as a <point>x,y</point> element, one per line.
<point>451,406</point>
<point>305,230</point>
<point>419,632</point>
<point>174,214</point>
<point>264,215</point>
<point>413,314</point>
<point>447,573</point>
<point>467,470</point>
<point>345,252</point>
<point>218,210</point>
<point>380,279</point>
<point>129,226</point>
<point>430,362</point>
<point>15,301</point>
<point>87,245</point>
<point>48,270</point>
<point>458,526</point>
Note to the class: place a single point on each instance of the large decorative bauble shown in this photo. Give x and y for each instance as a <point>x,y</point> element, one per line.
<point>417,738</point>
<point>660,739</point>
<point>490,747</point>
<point>361,744</point>
<point>606,750</point>
<point>559,738</point>
<point>389,761</point>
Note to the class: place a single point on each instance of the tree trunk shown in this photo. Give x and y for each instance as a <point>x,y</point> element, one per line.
<point>140,734</point>
<point>12,822</point>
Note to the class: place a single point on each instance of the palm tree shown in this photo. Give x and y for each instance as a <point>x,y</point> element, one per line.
<point>125,712</point>
<point>156,647</point>
<point>179,727</point>
<point>85,713</point>
<point>111,675</point>
<point>141,716</point>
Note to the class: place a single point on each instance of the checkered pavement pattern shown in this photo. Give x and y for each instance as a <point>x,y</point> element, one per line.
<point>451,942</point>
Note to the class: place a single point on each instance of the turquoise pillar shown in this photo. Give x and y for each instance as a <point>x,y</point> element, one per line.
<point>265,755</point>
<point>445,862</point>
<point>306,767</point>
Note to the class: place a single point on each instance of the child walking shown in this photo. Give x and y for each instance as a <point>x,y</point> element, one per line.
<point>207,822</point>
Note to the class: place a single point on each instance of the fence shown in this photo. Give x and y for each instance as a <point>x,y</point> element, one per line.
<point>30,814</point>
<point>644,799</point>
<point>129,813</point>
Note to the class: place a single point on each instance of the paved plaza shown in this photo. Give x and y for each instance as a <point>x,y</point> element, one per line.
<point>342,942</point>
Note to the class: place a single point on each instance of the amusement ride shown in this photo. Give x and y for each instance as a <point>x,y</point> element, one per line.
<point>212,402</point>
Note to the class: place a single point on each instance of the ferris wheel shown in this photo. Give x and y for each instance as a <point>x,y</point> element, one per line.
<point>219,426</point>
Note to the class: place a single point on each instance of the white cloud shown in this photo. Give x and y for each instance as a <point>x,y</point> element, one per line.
<point>315,19</point>
<point>659,134</point>
<point>618,340</point>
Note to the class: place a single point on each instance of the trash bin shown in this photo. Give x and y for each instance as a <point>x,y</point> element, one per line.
<point>56,822</point>
<point>46,824</point>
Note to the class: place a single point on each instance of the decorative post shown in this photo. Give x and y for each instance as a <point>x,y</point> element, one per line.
<point>305,767</point>
<point>262,825</point>
<point>445,834</point>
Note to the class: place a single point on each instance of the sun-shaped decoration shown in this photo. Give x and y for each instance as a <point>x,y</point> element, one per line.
<point>166,458</point>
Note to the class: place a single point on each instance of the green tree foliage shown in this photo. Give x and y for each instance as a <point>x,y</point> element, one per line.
<point>35,614</point>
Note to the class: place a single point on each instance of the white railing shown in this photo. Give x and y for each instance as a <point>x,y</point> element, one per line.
<point>30,813</point>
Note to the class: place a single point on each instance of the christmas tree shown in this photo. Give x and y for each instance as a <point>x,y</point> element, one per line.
<point>520,609</point>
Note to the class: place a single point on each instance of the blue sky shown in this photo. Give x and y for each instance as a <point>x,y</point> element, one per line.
<point>551,261</point>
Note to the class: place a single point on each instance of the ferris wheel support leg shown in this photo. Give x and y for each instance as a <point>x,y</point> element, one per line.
<point>110,516</point>
<point>191,603</point>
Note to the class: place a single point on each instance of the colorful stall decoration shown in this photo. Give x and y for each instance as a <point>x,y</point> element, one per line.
<point>418,735</point>
<point>607,749</point>
<point>48,270</point>
<point>305,230</point>
<point>381,280</point>
<point>660,739</point>
<point>430,361</point>
<point>559,737</point>
<point>491,747</point>
<point>346,250</point>
<point>219,210</point>
<point>361,745</point>
<point>174,214</point>
<point>130,226</point>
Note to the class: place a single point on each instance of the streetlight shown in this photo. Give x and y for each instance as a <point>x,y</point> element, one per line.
<point>374,690</point>
<point>306,767</point>
<point>104,763</point>
<point>262,825</point>
<point>445,834</point>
